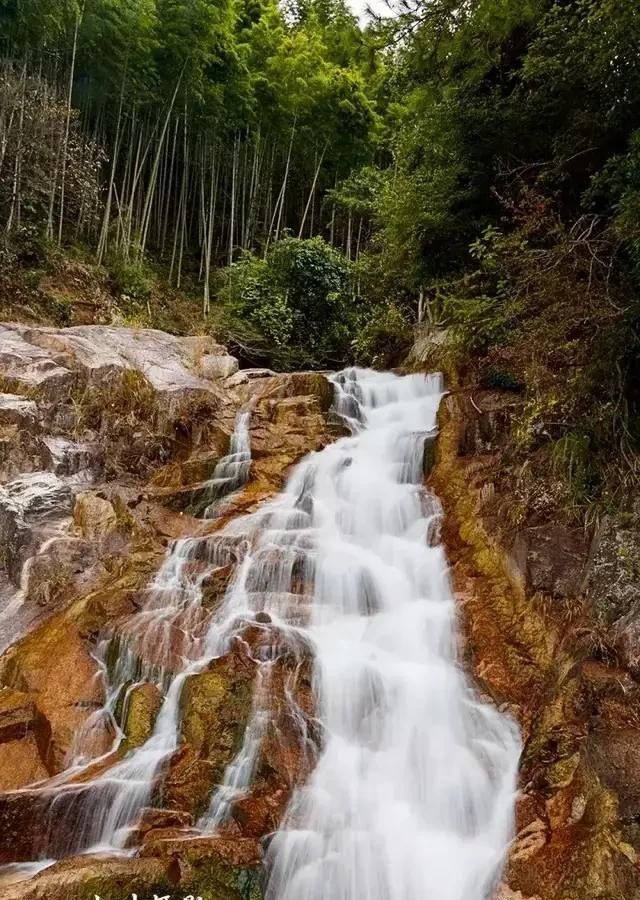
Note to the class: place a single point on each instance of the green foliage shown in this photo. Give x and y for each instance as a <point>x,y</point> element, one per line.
<point>572,457</point>
<point>294,307</point>
<point>476,322</point>
<point>385,337</point>
<point>617,187</point>
<point>131,279</point>
<point>501,380</point>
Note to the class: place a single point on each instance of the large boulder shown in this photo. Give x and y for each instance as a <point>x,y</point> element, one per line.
<point>37,357</point>
<point>217,366</point>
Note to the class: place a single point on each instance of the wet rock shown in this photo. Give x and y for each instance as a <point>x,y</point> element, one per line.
<point>141,709</point>
<point>284,428</point>
<point>94,516</point>
<point>117,596</point>
<point>21,825</point>
<point>287,752</point>
<point>193,499</point>
<point>215,707</point>
<point>528,654</point>
<point>316,384</point>
<point>214,585</point>
<point>295,385</point>
<point>153,818</point>
<point>88,877</point>
<point>26,504</point>
<point>38,495</point>
<point>198,467</point>
<point>430,455</point>
<point>239,852</point>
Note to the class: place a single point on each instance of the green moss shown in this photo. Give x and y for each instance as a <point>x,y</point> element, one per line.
<point>140,710</point>
<point>215,707</point>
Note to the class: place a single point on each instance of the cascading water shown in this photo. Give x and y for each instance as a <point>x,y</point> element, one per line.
<point>232,471</point>
<point>411,795</point>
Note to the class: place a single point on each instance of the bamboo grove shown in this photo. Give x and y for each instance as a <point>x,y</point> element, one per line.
<point>185,130</point>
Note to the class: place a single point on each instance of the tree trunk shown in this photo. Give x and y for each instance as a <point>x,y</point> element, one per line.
<point>312,191</point>
<point>65,145</point>
<point>146,213</point>
<point>104,232</point>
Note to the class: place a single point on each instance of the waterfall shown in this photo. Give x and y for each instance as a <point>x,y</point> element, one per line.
<point>411,793</point>
<point>232,471</point>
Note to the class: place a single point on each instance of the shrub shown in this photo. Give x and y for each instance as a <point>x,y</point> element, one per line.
<point>501,380</point>
<point>130,279</point>
<point>476,323</point>
<point>384,339</point>
<point>294,308</point>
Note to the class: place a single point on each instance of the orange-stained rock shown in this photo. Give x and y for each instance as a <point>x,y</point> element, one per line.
<point>25,737</point>
<point>215,707</point>
<point>55,667</point>
<point>154,820</point>
<point>150,415</point>
<point>530,654</point>
<point>240,852</point>
<point>87,877</point>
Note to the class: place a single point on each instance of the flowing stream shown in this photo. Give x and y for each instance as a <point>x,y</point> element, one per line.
<point>411,796</point>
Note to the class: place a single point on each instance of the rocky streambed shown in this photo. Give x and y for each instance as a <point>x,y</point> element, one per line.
<point>112,441</point>
<point>113,444</point>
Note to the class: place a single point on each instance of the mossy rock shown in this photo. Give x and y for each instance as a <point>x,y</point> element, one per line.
<point>215,707</point>
<point>141,709</point>
<point>430,455</point>
<point>316,384</point>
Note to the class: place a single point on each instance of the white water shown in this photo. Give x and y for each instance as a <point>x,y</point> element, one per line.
<point>412,794</point>
<point>232,471</point>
